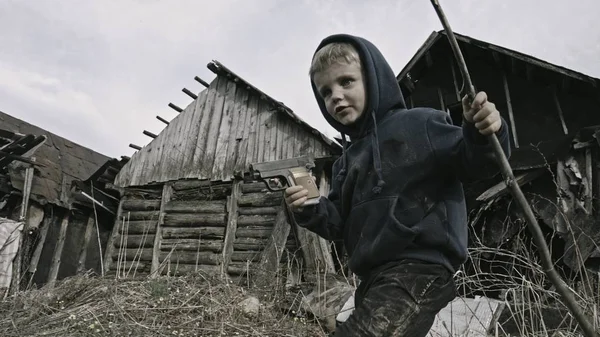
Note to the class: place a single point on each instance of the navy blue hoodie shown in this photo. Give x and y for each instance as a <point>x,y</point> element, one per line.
<point>396,191</point>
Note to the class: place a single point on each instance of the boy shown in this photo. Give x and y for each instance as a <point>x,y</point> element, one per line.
<point>396,195</point>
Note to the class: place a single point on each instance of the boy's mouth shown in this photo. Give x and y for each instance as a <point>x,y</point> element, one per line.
<point>340,110</point>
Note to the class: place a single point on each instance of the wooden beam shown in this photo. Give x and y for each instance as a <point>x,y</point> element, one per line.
<point>89,230</point>
<point>150,134</point>
<point>201,81</point>
<point>189,93</point>
<point>58,249</point>
<point>175,107</point>
<point>560,112</point>
<point>110,246</point>
<point>16,278</point>
<point>167,192</point>
<point>230,231</point>
<point>271,255</point>
<point>589,177</point>
<point>162,120</point>
<point>37,253</point>
<point>19,158</point>
<point>511,116</point>
<point>135,147</point>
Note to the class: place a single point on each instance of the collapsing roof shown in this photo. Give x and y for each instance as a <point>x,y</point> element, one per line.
<point>58,160</point>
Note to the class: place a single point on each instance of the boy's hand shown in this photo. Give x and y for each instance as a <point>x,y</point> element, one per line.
<point>482,113</point>
<point>295,196</point>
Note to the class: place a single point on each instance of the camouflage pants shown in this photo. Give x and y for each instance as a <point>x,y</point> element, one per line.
<point>401,300</point>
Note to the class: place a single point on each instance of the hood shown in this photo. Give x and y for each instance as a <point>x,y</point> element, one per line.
<point>382,89</point>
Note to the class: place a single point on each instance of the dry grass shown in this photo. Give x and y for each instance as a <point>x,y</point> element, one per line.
<point>532,305</point>
<point>194,305</point>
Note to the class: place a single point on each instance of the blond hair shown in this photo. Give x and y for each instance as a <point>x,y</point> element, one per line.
<point>335,52</point>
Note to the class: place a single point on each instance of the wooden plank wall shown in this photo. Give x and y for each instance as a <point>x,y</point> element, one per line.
<point>192,229</point>
<point>223,131</point>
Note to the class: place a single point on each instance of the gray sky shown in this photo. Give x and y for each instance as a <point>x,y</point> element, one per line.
<point>98,72</point>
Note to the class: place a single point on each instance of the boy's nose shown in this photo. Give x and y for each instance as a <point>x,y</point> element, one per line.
<point>336,96</point>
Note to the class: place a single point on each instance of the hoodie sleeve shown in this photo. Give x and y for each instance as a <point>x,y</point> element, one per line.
<point>464,149</point>
<point>324,218</point>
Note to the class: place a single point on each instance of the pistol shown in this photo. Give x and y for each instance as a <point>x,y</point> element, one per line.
<point>280,174</point>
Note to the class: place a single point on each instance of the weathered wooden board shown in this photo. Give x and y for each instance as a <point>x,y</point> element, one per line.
<point>228,127</point>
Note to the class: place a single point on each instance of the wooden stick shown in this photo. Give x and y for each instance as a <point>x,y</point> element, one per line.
<point>538,236</point>
<point>58,249</point>
<point>150,134</point>
<point>162,120</point>
<point>175,107</point>
<point>135,147</point>
<point>189,93</point>
<point>204,83</point>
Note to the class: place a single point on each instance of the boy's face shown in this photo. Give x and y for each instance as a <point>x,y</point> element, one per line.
<point>342,88</point>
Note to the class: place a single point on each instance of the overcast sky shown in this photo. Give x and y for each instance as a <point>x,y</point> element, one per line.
<point>98,72</point>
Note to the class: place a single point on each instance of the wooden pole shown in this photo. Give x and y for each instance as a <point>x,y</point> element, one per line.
<point>16,278</point>
<point>58,249</point>
<point>162,120</point>
<point>560,111</point>
<point>167,192</point>
<point>204,83</point>
<point>135,147</point>
<point>89,230</point>
<point>175,107</point>
<point>189,93</point>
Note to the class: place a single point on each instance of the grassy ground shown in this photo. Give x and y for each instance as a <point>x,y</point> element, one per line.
<point>198,305</point>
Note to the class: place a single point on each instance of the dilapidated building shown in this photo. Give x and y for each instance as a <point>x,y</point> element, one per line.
<point>38,174</point>
<point>189,201</point>
<point>554,122</point>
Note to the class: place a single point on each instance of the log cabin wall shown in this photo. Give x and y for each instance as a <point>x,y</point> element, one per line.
<point>201,225</point>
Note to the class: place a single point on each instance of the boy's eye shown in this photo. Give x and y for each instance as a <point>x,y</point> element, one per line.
<point>325,93</point>
<point>346,82</point>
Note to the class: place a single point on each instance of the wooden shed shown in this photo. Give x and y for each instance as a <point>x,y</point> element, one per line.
<point>38,170</point>
<point>188,202</point>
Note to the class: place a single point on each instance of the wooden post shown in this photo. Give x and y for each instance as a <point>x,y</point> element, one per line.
<point>135,147</point>
<point>16,276</point>
<point>89,230</point>
<point>232,217</point>
<point>110,246</point>
<point>167,192</point>
<point>60,243</point>
<point>511,117</point>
